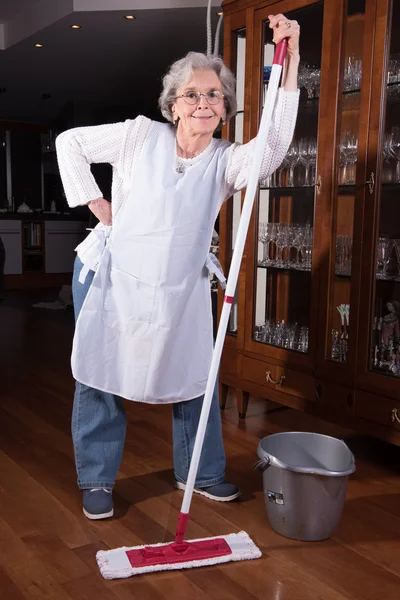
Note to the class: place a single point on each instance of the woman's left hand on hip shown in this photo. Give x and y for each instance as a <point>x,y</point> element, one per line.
<point>285,28</point>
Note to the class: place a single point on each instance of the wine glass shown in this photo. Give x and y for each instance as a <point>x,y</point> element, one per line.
<point>395,148</point>
<point>281,242</point>
<point>306,248</point>
<point>387,174</point>
<point>304,145</point>
<point>298,244</point>
<point>384,251</point>
<point>293,158</point>
<point>262,228</point>
<point>350,147</point>
<point>397,249</point>
<point>292,229</point>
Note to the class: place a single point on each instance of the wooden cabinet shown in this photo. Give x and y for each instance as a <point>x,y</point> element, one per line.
<point>40,253</point>
<point>316,322</point>
<point>61,239</point>
<point>10,233</point>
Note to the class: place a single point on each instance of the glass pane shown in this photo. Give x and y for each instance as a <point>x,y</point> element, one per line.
<point>26,168</point>
<point>237,136</point>
<point>3,170</point>
<point>343,208</point>
<point>385,341</point>
<point>286,206</point>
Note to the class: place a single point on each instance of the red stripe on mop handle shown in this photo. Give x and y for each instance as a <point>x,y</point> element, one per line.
<point>280,53</point>
<point>178,551</point>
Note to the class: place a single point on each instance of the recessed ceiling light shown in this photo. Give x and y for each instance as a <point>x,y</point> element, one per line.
<point>219,14</point>
<point>129,17</point>
<point>38,45</point>
<point>76,26</point>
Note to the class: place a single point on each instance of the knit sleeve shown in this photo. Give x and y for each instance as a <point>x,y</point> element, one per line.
<point>278,141</point>
<point>78,148</point>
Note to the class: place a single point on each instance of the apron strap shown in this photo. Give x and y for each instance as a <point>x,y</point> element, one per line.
<point>83,273</point>
<point>92,258</point>
<point>214,266</point>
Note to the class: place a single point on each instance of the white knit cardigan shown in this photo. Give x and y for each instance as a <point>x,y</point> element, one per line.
<point>119,144</point>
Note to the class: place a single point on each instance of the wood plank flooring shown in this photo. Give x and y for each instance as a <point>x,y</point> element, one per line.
<point>47,546</point>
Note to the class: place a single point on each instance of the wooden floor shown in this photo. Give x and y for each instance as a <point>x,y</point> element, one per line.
<point>47,546</point>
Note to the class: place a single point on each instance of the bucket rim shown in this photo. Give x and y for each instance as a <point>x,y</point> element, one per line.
<point>275,462</point>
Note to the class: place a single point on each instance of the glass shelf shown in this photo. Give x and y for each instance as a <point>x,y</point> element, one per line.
<point>347,188</point>
<point>286,190</point>
<point>315,99</point>
<point>285,268</point>
<point>391,187</point>
<point>388,279</point>
<point>284,347</point>
<point>290,336</point>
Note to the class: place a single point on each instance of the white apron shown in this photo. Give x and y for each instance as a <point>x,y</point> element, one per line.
<point>145,328</point>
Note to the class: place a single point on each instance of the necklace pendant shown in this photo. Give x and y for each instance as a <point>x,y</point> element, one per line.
<point>180,167</point>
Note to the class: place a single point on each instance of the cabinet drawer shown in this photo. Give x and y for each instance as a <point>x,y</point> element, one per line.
<point>10,226</point>
<point>10,234</point>
<point>298,384</point>
<point>256,371</point>
<point>334,398</point>
<point>378,409</point>
<point>279,378</point>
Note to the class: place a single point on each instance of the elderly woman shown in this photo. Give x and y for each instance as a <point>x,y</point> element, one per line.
<point>141,292</point>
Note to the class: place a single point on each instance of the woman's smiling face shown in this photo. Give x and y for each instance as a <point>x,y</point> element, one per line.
<point>201,118</point>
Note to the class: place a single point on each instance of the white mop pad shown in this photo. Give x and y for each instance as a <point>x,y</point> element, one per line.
<point>114,564</point>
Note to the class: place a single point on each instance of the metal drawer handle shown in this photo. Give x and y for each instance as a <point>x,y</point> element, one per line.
<point>371,183</point>
<point>318,185</point>
<point>270,380</point>
<point>395,416</point>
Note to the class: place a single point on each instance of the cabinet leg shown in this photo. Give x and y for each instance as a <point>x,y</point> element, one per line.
<point>242,402</point>
<point>223,395</point>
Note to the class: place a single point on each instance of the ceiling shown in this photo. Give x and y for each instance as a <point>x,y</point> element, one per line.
<point>110,60</point>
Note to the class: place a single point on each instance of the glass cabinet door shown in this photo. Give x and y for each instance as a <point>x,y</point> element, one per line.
<point>3,170</point>
<point>344,188</point>
<point>285,211</point>
<point>384,342</point>
<point>236,134</point>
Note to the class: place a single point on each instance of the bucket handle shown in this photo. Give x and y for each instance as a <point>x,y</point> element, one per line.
<point>262,465</point>
<point>271,461</point>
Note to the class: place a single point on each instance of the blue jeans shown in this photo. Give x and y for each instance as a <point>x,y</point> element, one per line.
<point>99,428</point>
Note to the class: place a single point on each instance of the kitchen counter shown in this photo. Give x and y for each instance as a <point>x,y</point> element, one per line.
<point>77,215</point>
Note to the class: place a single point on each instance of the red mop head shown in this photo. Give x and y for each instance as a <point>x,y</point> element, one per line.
<point>178,553</point>
<point>126,562</point>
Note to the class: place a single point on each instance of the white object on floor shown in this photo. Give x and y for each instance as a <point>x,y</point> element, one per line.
<point>114,564</point>
<point>64,300</point>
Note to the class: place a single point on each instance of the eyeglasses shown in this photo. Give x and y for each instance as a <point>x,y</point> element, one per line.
<point>213,97</point>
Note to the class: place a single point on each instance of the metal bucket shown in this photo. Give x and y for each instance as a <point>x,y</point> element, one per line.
<point>305,480</point>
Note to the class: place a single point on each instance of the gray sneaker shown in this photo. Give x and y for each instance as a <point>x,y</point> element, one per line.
<point>221,492</point>
<point>97,503</point>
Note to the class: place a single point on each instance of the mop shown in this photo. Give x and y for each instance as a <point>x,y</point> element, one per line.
<point>127,561</point>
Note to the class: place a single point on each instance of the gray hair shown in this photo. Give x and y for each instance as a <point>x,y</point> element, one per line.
<point>181,72</point>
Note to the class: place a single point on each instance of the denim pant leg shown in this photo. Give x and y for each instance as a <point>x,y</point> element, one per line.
<point>212,464</point>
<point>98,418</point>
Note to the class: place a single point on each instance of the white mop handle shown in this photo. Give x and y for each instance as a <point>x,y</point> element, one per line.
<point>251,190</point>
